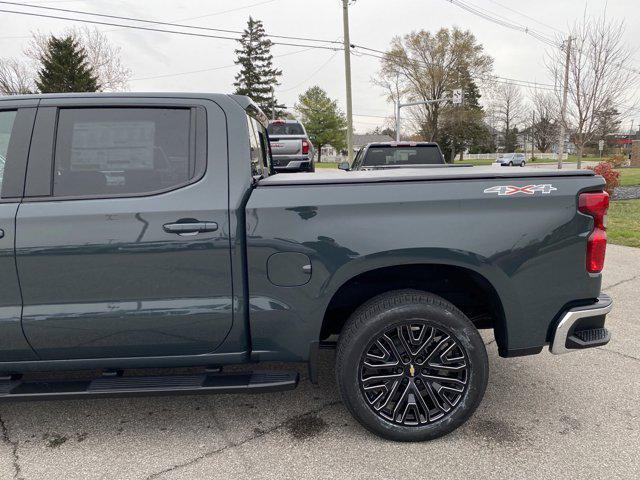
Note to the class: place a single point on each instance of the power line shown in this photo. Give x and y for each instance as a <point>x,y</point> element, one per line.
<point>312,75</point>
<point>480,12</point>
<point>168,75</point>
<point>492,78</point>
<point>523,83</point>
<point>422,62</point>
<point>526,16</point>
<point>155,22</point>
<point>222,12</point>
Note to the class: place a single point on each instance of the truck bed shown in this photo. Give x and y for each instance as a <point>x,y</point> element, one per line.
<point>324,177</point>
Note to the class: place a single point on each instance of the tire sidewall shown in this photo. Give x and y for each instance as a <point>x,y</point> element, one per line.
<point>450,321</point>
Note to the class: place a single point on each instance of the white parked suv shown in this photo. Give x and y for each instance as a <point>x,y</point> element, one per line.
<point>511,159</point>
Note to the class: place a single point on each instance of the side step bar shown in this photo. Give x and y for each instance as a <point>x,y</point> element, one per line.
<point>14,388</point>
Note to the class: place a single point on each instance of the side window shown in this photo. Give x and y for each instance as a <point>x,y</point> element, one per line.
<point>113,151</point>
<point>257,160</point>
<point>7,120</point>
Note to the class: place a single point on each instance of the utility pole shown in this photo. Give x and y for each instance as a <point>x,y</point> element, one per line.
<point>533,136</point>
<point>347,76</point>
<point>273,104</point>
<point>563,112</point>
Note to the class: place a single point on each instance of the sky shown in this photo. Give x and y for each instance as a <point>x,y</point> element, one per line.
<point>161,61</point>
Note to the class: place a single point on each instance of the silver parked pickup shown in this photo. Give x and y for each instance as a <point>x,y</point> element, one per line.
<point>290,146</point>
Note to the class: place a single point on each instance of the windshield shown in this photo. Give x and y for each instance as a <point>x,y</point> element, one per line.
<point>393,156</point>
<point>285,129</point>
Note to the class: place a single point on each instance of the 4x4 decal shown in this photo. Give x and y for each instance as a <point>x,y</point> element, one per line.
<point>502,190</point>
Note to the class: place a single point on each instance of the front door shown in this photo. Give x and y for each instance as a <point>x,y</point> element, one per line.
<point>122,247</point>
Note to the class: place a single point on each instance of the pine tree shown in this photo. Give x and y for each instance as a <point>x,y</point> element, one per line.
<point>257,77</point>
<point>65,68</point>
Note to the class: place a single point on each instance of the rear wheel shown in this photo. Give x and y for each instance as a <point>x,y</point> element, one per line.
<point>410,366</point>
<point>522,164</point>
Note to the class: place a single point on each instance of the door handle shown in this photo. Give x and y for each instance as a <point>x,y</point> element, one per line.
<point>191,228</point>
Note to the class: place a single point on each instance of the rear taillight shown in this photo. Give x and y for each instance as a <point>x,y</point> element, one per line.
<point>596,205</point>
<point>305,147</point>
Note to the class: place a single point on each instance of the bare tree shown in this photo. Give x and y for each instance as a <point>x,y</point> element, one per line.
<point>15,77</point>
<point>599,74</point>
<point>102,55</point>
<point>394,91</point>
<point>428,65</point>
<point>509,107</point>
<point>546,114</point>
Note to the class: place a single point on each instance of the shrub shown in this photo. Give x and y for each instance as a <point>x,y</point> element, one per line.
<point>611,177</point>
<point>617,161</point>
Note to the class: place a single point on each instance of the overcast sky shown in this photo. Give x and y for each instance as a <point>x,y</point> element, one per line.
<point>155,58</point>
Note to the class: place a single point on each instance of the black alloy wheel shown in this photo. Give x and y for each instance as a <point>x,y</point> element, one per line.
<point>410,366</point>
<point>414,373</point>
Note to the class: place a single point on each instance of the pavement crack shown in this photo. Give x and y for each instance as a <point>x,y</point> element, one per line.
<point>635,277</point>
<point>14,448</point>
<point>630,357</point>
<point>230,446</point>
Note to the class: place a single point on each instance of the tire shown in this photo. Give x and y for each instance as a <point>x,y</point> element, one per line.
<point>511,164</point>
<point>312,167</point>
<point>522,164</point>
<point>432,318</point>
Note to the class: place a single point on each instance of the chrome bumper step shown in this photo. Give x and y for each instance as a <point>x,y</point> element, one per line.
<point>576,331</point>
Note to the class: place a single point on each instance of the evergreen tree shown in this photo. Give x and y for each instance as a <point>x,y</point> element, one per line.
<point>257,77</point>
<point>323,120</point>
<point>65,68</point>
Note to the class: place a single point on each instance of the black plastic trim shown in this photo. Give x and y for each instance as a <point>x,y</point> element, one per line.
<point>17,153</point>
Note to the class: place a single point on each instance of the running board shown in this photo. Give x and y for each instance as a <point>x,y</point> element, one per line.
<point>14,388</point>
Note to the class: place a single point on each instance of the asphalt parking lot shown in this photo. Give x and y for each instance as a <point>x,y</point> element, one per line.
<point>544,416</point>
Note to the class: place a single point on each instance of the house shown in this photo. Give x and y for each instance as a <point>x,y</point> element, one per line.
<point>360,141</point>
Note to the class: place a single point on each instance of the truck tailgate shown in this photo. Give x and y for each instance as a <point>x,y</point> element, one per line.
<point>286,145</point>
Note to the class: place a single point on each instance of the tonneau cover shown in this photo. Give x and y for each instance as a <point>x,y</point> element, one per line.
<point>322,177</point>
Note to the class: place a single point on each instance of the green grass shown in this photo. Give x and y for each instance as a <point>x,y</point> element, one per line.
<point>594,158</point>
<point>326,165</point>
<point>623,223</point>
<point>629,176</point>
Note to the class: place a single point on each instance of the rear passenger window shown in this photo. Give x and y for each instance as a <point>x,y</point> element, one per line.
<point>7,119</point>
<point>113,151</point>
<point>258,146</point>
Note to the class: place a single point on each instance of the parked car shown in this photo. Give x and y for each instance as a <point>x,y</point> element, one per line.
<point>290,146</point>
<point>511,159</point>
<point>147,231</point>
<point>389,155</point>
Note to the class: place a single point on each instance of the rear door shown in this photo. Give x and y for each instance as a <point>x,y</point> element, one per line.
<point>123,247</point>
<point>16,124</point>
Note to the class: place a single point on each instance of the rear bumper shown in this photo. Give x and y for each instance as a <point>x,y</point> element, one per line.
<point>298,164</point>
<point>582,327</point>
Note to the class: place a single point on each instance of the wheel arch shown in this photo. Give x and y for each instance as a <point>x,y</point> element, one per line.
<point>452,280</point>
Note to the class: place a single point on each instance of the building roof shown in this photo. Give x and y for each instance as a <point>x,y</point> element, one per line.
<point>360,140</point>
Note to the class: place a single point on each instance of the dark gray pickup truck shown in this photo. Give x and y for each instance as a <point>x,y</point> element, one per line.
<point>149,231</point>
